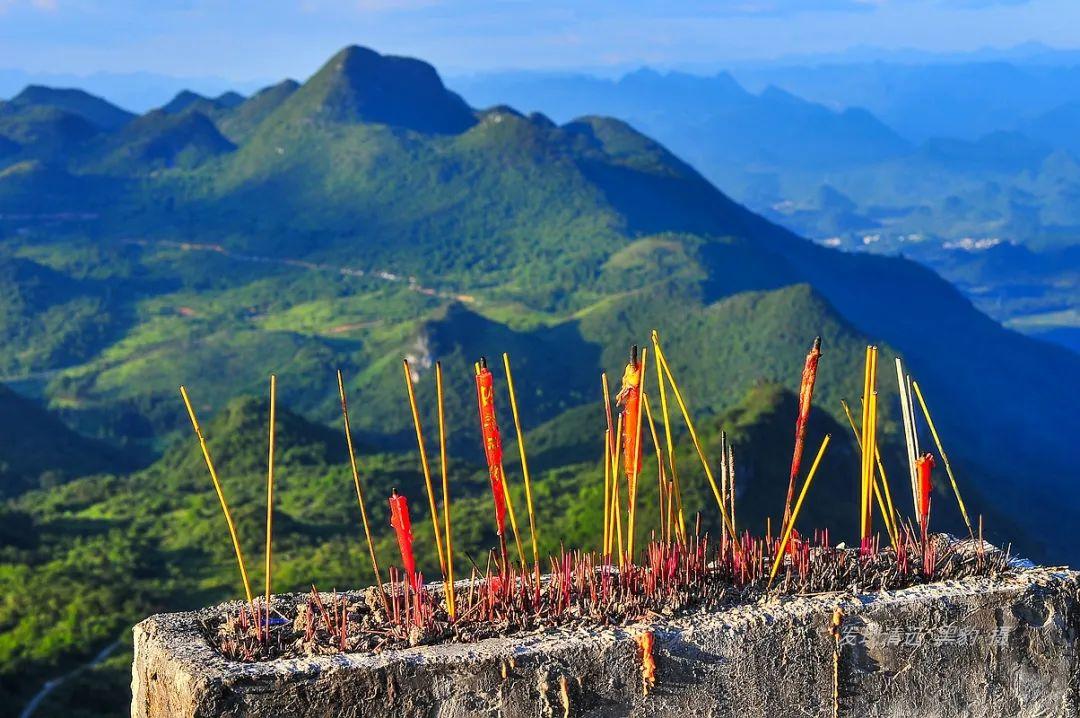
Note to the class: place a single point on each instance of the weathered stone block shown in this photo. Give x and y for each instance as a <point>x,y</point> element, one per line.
<point>973,648</point>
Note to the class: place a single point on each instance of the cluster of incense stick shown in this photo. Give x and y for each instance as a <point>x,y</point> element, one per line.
<point>583,589</point>
<point>619,580</point>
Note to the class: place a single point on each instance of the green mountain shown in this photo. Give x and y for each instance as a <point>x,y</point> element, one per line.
<point>239,123</point>
<point>49,318</point>
<point>188,100</point>
<point>359,85</point>
<point>43,131</point>
<point>158,140</point>
<point>38,450</point>
<point>97,111</point>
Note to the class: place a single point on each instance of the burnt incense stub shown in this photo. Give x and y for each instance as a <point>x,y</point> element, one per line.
<point>978,646</point>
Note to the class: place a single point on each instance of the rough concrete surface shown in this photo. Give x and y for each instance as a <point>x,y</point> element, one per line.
<point>971,648</point>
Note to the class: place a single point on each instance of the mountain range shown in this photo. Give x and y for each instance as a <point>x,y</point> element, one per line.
<point>370,213</point>
<point>1000,167</point>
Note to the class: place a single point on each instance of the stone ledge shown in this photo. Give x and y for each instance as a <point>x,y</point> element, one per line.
<point>976,647</point>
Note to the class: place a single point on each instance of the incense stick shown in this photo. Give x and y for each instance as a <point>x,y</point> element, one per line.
<point>659,458</point>
<point>889,527</point>
<point>667,436</point>
<point>607,409</point>
<point>869,431</point>
<point>891,512</point>
<point>891,509</point>
<point>909,431</point>
<point>661,359</point>
<point>731,487</point>
<point>360,494</point>
<point>636,461</point>
<point>424,466</point>
<point>864,425</point>
<point>220,493</point>
<point>513,519</point>
<point>944,456</point>
<point>872,436</point>
<point>607,489</point>
<point>492,437</point>
<point>806,396</point>
<point>795,512</point>
<point>616,515</point>
<point>451,602</point>
<point>723,466</point>
<point>270,492</point>
<point>914,440</point>
<point>609,437</point>
<point>524,462</point>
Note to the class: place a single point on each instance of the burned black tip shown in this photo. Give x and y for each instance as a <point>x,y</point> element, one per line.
<point>817,343</point>
<point>633,354</point>
<point>483,362</point>
<point>393,492</point>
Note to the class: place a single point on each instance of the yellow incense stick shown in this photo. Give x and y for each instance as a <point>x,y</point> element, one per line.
<point>869,440</point>
<point>613,509</point>
<point>616,510</point>
<point>360,495</point>
<point>873,437</point>
<point>633,479</point>
<point>889,527</point>
<point>615,534</point>
<point>723,465</point>
<point>660,479</point>
<point>877,481</point>
<point>731,487</point>
<point>607,488</point>
<point>424,466</point>
<point>891,512</point>
<point>667,436</point>
<point>220,493</point>
<point>944,456</point>
<point>451,603</point>
<point>609,439</point>
<point>270,490</point>
<point>524,462</point>
<point>795,512</point>
<point>694,438</point>
<point>513,519</point>
<point>661,499</point>
<point>607,410</point>
<point>883,480</point>
<point>909,429</point>
<point>864,424</point>
<point>671,506</point>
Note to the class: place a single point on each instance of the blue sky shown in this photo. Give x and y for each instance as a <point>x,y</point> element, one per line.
<point>270,39</point>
